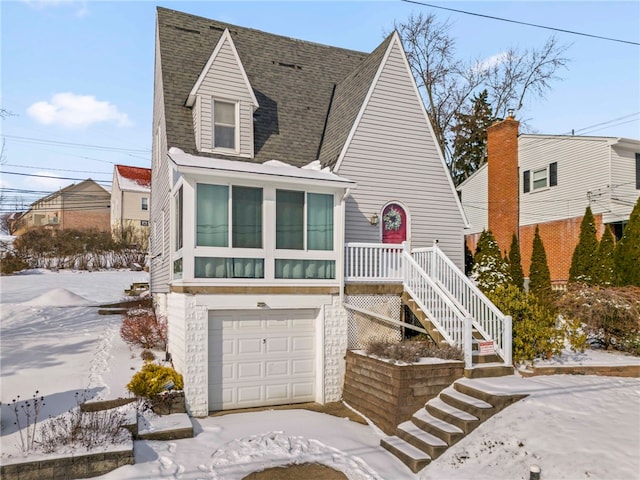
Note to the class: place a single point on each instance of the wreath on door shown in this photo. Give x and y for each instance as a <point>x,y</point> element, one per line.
<point>392,219</point>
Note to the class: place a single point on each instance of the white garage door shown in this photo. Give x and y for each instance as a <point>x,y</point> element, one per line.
<point>259,358</point>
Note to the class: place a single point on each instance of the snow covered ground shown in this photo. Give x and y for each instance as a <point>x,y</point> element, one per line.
<point>53,340</point>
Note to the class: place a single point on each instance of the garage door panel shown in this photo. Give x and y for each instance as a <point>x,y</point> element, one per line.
<point>277,368</point>
<point>249,371</point>
<point>261,358</point>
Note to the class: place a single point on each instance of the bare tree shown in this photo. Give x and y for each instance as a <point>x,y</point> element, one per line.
<point>448,83</point>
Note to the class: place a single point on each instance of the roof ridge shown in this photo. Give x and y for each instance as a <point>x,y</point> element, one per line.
<point>262,32</point>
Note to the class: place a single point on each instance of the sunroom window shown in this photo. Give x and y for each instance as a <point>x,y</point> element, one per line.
<point>224,125</point>
<point>212,216</point>
<point>290,221</point>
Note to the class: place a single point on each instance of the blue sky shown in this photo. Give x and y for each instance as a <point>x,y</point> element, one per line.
<point>78,75</point>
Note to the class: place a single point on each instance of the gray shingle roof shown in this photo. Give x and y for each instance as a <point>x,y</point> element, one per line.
<point>293,81</point>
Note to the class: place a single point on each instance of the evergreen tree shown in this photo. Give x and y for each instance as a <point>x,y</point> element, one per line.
<point>539,275</point>
<point>515,264</point>
<point>470,138</point>
<point>584,256</point>
<point>604,269</point>
<point>468,260</point>
<point>627,252</point>
<point>489,268</point>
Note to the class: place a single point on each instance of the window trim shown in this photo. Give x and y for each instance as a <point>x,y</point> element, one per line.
<point>236,127</point>
<point>546,178</point>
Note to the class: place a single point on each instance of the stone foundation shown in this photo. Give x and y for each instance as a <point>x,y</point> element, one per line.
<point>389,394</point>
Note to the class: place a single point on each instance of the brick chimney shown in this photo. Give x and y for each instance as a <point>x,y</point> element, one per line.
<point>502,157</point>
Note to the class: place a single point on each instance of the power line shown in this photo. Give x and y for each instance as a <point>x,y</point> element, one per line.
<point>55,169</point>
<point>74,145</point>
<point>522,23</point>
<point>55,178</point>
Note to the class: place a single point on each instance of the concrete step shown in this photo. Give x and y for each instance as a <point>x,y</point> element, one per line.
<point>485,370</point>
<point>411,433</point>
<point>411,456</point>
<point>445,412</point>
<point>472,405</point>
<point>498,401</point>
<point>441,429</point>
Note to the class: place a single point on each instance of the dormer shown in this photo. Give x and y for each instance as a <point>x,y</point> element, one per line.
<point>222,103</point>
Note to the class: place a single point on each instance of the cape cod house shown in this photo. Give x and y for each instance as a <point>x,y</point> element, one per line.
<point>296,188</point>
<point>548,181</point>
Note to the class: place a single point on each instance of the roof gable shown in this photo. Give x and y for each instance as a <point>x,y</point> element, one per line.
<point>225,43</point>
<point>348,102</point>
<point>292,81</point>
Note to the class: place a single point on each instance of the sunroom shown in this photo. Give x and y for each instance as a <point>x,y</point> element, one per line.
<point>241,223</point>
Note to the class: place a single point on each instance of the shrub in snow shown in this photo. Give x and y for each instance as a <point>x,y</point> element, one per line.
<point>584,257</point>
<point>154,379</point>
<point>147,355</point>
<point>627,252</point>
<point>604,269</point>
<point>412,350</point>
<point>534,324</point>
<point>539,275</point>
<point>11,263</point>
<point>516,275</point>
<point>142,328</point>
<point>489,268</point>
<point>610,316</point>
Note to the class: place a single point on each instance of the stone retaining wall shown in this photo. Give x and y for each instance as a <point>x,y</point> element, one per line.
<point>390,394</point>
<point>68,468</point>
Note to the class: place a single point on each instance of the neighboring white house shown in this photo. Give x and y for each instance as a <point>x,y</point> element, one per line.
<point>548,182</point>
<point>269,154</point>
<point>130,197</point>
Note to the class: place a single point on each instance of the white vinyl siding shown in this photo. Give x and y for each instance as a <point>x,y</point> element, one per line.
<point>474,200</point>
<point>160,189</point>
<point>224,82</point>
<point>393,157</point>
<point>624,193</point>
<point>583,166</point>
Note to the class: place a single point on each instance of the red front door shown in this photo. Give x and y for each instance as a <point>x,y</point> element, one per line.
<point>394,224</point>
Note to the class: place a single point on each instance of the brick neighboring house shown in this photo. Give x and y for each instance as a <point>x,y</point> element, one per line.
<point>548,181</point>
<point>130,194</point>
<point>81,206</point>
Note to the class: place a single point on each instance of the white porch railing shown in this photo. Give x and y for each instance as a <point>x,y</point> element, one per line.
<point>373,262</point>
<point>452,302</point>
<point>445,316</point>
<point>488,320</point>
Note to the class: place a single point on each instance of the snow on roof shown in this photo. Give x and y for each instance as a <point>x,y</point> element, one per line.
<point>271,167</point>
<point>137,179</point>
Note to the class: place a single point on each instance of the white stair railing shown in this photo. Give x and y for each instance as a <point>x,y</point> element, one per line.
<point>446,317</point>
<point>373,262</point>
<point>488,320</point>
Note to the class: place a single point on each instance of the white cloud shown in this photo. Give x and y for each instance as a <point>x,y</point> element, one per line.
<point>492,61</point>
<point>76,111</point>
<point>82,9</point>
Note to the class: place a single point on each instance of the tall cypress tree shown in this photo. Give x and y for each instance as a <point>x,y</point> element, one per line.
<point>604,269</point>
<point>627,252</point>
<point>515,264</point>
<point>539,275</point>
<point>584,256</point>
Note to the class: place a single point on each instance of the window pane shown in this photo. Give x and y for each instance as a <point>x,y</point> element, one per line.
<point>247,217</point>
<point>319,221</point>
<point>208,267</point>
<point>225,137</point>
<point>540,179</point>
<point>224,113</point>
<point>289,220</point>
<point>309,269</point>
<point>212,207</point>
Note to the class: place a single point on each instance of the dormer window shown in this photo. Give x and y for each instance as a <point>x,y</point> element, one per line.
<point>224,125</point>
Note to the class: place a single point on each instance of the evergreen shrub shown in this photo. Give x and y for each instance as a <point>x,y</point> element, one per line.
<point>584,258</point>
<point>627,251</point>
<point>489,268</point>
<point>153,379</point>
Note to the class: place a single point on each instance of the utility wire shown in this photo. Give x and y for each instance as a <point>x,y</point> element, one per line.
<point>522,23</point>
<point>74,145</point>
<point>55,178</point>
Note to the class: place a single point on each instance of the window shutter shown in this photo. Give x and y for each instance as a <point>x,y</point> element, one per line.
<point>637,171</point>
<point>553,174</point>
<point>526,181</point>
